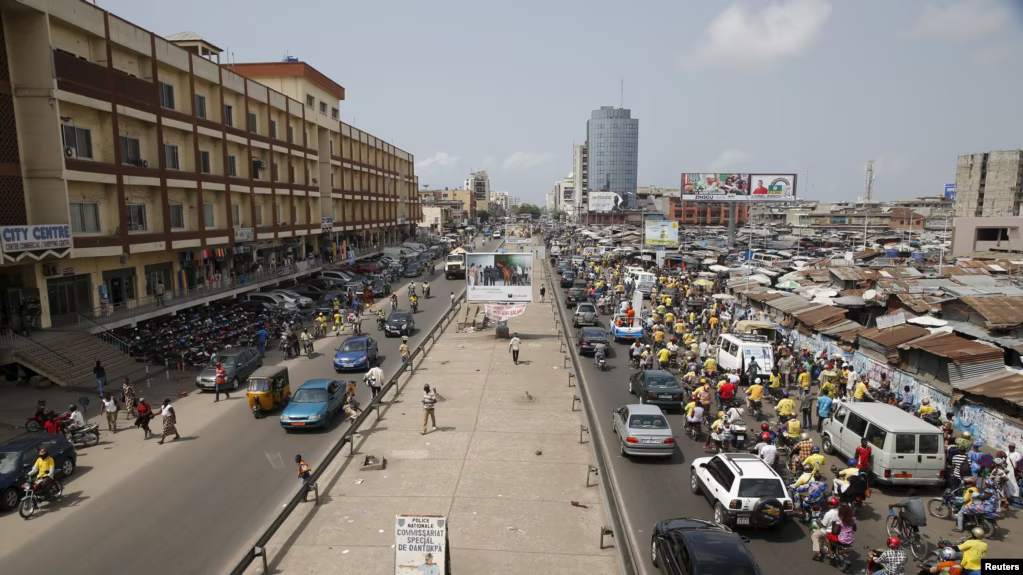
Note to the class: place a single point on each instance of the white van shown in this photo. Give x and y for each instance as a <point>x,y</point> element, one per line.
<point>905,450</point>
<point>629,270</point>
<point>555,250</point>
<point>766,258</point>
<point>735,351</point>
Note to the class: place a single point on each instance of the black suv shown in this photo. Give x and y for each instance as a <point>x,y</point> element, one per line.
<point>589,337</point>
<point>697,547</point>
<point>576,296</point>
<point>566,278</point>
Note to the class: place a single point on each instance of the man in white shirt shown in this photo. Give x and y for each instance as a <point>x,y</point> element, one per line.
<point>375,380</point>
<point>768,452</point>
<point>703,350</point>
<point>850,383</point>
<point>820,536</point>
<point>513,347</point>
<point>77,419</point>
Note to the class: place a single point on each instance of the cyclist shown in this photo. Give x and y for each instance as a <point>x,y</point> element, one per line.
<point>911,510</point>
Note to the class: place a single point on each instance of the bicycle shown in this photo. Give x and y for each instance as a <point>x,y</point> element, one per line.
<point>897,527</point>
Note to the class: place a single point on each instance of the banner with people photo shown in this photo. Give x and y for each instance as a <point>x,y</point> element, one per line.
<point>518,233</point>
<point>738,187</point>
<point>499,277</point>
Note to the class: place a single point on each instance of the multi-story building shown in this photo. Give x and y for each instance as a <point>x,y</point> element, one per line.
<point>580,177</point>
<point>565,195</point>
<point>468,199</point>
<point>989,184</point>
<point>128,160</point>
<point>549,202</point>
<point>479,183</point>
<point>500,200</point>
<point>612,143</point>
<point>701,213</point>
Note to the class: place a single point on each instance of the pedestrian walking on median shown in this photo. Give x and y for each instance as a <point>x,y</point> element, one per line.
<point>429,403</point>
<point>375,380</point>
<point>170,421</point>
<point>304,471</point>
<point>543,292</point>
<point>145,415</point>
<point>101,376</point>
<point>513,347</point>
<point>128,397</point>
<point>110,411</point>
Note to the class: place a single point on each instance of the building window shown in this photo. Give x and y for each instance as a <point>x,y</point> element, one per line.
<point>232,166</point>
<point>228,115</point>
<point>204,162</point>
<point>236,214</point>
<point>253,127</point>
<point>170,157</point>
<point>177,216</point>
<point>992,234</point>
<point>273,129</point>
<point>77,141</point>
<point>259,215</point>
<point>166,95</point>
<point>334,113</point>
<point>200,106</point>
<point>310,101</point>
<point>274,173</point>
<point>207,215</point>
<point>280,220</point>
<point>330,144</point>
<point>323,107</point>
<point>332,179</point>
<point>85,218</point>
<point>291,133</point>
<point>130,151</point>
<point>136,217</point>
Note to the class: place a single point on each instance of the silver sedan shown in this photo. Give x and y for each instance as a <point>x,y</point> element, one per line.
<point>643,430</point>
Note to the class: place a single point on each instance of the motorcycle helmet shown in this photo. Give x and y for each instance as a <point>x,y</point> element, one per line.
<point>721,414</point>
<point>977,532</point>
<point>784,394</point>
<point>765,436</point>
<point>948,554</point>
<point>803,436</point>
<point>894,543</point>
<point>833,501</point>
<point>765,427</point>
<point>978,443</point>
<point>967,435</point>
<point>816,449</point>
<point>757,381</point>
<point>852,462</point>
<point>220,364</point>
<point>43,452</point>
<point>404,339</point>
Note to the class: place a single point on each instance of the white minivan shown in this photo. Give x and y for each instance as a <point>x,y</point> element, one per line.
<point>736,351</point>
<point>905,450</point>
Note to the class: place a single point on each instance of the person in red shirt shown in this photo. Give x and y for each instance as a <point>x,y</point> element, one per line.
<point>727,393</point>
<point>863,456</point>
<point>760,190</point>
<point>51,425</point>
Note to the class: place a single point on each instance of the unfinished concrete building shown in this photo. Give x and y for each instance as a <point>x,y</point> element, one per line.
<point>989,184</point>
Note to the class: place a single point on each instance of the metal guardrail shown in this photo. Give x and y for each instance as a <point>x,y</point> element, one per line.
<point>22,347</point>
<point>612,505</point>
<point>108,337</point>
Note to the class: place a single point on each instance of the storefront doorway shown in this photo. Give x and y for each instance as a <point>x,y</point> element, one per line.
<point>68,297</point>
<point>120,285</point>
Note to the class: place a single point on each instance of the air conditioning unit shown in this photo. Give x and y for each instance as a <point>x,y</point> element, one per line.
<point>315,181</point>
<point>69,152</point>
<point>144,163</point>
<point>50,269</point>
<point>262,164</point>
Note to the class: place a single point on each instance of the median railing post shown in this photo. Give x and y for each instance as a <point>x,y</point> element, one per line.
<point>603,532</point>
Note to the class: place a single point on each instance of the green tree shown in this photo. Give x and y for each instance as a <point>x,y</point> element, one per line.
<point>483,216</point>
<point>528,209</point>
<point>558,215</point>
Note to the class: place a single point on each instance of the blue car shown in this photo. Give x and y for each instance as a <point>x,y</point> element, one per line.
<point>357,352</point>
<point>17,458</point>
<point>313,404</point>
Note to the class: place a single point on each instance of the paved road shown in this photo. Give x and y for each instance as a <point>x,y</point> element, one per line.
<point>650,491</point>
<point>192,506</point>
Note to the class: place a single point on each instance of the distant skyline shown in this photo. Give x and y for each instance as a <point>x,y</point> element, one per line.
<point>812,87</point>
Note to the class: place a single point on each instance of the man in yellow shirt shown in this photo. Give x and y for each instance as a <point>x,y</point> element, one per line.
<point>926,408</point>
<point>669,318</point>
<point>775,379</point>
<point>667,301</point>
<point>680,328</point>
<point>974,551</point>
<point>714,322</point>
<point>44,470</point>
<point>804,379</point>
<point>860,390</point>
<point>754,392</point>
<point>710,365</point>
<point>659,336</point>
<point>688,339</point>
<point>815,459</point>
<point>786,406</point>
<point>663,356</point>
<point>793,429</point>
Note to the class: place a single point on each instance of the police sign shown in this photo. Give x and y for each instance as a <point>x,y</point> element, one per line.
<point>35,238</point>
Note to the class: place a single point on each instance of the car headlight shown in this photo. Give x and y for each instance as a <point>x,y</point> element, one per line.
<point>360,360</point>
<point>314,416</point>
<point>198,379</point>
<point>404,325</point>
<point>285,418</point>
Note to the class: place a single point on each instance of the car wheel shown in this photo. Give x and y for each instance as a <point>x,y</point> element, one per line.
<point>234,384</point>
<point>67,468</point>
<point>719,514</point>
<point>694,482</point>
<point>621,447</point>
<point>653,552</point>
<point>827,446</point>
<point>10,499</point>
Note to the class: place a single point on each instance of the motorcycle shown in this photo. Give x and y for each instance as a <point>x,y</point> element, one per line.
<point>932,418</point>
<point>394,304</point>
<point>30,500</point>
<point>380,323</point>
<point>414,306</point>
<point>88,435</point>
<point>739,435</point>
<point>756,407</point>
<point>426,291</point>
<point>945,506</point>
<point>309,348</point>
<point>34,423</point>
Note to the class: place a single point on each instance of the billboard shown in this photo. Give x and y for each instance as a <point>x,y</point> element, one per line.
<point>35,238</point>
<point>661,234</point>
<point>604,201</point>
<point>499,277</point>
<point>518,233</point>
<point>734,187</point>
<point>950,192</point>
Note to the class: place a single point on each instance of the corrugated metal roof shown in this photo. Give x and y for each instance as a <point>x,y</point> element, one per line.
<point>793,304</point>
<point>977,332</point>
<point>955,348</point>
<point>764,296</point>
<point>1005,384</point>
<point>853,273</point>
<point>894,336</point>
<point>821,315</point>
<point>979,280</point>
<point>998,311</point>
<point>903,272</point>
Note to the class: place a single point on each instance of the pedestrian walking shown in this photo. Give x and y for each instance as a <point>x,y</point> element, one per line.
<point>158,292</point>
<point>805,407</point>
<point>101,376</point>
<point>145,415</point>
<point>543,292</point>
<point>128,397</point>
<point>429,403</point>
<point>513,347</point>
<point>375,380</point>
<point>170,421</point>
<point>304,471</point>
<point>452,299</point>
<point>824,403</point>
<point>220,381</point>
<point>110,411</point>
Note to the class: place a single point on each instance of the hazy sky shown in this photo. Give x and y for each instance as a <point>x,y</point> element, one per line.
<point>814,87</point>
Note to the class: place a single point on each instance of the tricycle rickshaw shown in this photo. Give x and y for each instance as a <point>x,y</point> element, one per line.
<point>269,389</point>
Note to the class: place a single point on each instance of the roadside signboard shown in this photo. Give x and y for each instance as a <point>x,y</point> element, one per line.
<point>518,233</point>
<point>420,544</point>
<point>494,277</point>
<point>661,233</point>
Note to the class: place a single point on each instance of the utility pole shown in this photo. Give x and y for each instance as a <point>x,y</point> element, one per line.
<point>870,180</point>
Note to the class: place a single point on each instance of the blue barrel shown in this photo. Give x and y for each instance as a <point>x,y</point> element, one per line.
<point>918,256</point>
<point>891,253</point>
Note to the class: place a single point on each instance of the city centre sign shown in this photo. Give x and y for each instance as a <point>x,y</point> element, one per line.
<point>35,238</point>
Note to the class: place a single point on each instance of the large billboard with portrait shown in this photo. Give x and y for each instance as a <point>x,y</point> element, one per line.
<point>499,277</point>
<point>661,233</point>
<point>518,233</point>
<point>735,187</point>
<point>603,202</point>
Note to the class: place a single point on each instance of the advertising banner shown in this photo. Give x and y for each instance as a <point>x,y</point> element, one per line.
<point>950,192</point>
<point>604,201</point>
<point>499,278</point>
<point>661,234</point>
<point>738,187</point>
<point>35,238</point>
<point>420,544</point>
<point>502,312</point>
<point>518,233</point>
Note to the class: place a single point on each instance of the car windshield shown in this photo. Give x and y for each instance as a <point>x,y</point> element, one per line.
<point>357,345</point>
<point>227,360</point>
<point>593,334</point>
<point>259,385</point>
<point>586,307</point>
<point>660,380</point>
<point>399,317</point>
<point>650,421</point>
<point>310,396</point>
<point>576,292</point>
<point>8,462</point>
<point>760,488</point>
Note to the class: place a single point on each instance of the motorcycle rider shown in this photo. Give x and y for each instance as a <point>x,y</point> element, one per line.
<point>815,459</point>
<point>822,538</point>
<point>357,322</point>
<point>43,472</point>
<point>307,341</point>
<point>426,289</point>
<point>394,301</point>
<point>411,289</point>
<point>891,561</point>
<point>599,353</point>
<point>76,419</point>
<point>381,319</point>
<point>948,564</point>
<point>974,551</point>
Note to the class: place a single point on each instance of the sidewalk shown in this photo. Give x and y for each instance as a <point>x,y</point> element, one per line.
<point>504,467</point>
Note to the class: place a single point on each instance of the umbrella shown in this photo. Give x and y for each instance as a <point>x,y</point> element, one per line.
<point>701,282</point>
<point>787,285</point>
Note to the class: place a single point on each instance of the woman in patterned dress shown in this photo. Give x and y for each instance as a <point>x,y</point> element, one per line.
<point>170,420</point>
<point>128,391</point>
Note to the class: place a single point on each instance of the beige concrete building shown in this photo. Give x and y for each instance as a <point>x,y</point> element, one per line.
<point>128,159</point>
<point>990,234</point>
<point>989,184</point>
